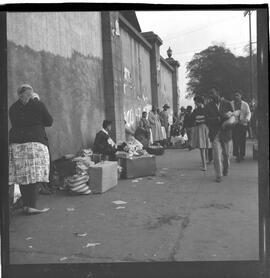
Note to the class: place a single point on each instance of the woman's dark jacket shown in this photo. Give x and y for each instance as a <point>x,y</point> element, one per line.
<point>28,122</point>
<point>101,144</point>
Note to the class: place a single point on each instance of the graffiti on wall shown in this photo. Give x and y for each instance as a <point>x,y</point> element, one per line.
<point>133,115</point>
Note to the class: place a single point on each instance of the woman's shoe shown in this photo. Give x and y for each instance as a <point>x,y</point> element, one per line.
<point>36,211</point>
<point>25,210</point>
<point>218,179</point>
<point>203,169</point>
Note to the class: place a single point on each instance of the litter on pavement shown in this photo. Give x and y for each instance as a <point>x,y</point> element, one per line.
<point>63,259</point>
<point>70,209</point>
<point>28,238</point>
<point>91,245</point>
<point>119,202</point>
<point>120,207</point>
<point>80,234</point>
<point>135,180</point>
<point>160,182</point>
<point>30,246</point>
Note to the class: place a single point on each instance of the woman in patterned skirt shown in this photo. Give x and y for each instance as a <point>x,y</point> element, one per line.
<point>200,139</point>
<point>29,160</point>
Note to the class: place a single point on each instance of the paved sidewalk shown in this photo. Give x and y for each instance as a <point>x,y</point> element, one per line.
<point>181,214</point>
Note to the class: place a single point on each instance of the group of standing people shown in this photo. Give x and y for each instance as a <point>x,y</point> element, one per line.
<point>153,127</point>
<point>216,126</point>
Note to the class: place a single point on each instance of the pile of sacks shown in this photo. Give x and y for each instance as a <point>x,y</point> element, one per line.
<point>78,183</point>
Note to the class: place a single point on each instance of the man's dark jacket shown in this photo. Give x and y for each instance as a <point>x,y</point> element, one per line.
<point>28,122</point>
<point>214,119</point>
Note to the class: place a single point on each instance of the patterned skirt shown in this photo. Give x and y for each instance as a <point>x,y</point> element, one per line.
<point>28,163</point>
<point>199,137</point>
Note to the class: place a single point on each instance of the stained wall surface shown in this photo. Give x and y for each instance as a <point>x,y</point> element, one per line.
<point>166,88</point>
<point>136,78</point>
<point>60,55</point>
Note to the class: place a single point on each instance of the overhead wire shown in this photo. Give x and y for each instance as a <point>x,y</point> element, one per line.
<point>201,28</point>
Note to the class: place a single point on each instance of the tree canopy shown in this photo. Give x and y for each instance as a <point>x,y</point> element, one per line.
<point>217,66</point>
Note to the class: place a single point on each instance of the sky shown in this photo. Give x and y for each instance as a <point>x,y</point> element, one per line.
<point>188,32</point>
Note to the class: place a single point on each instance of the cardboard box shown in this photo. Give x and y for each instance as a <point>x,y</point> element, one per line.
<point>103,176</point>
<point>136,167</point>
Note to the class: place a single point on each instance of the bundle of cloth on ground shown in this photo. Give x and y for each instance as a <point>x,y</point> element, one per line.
<point>179,140</point>
<point>78,183</point>
<point>133,147</point>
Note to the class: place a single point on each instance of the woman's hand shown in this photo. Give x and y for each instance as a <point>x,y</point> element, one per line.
<point>35,96</point>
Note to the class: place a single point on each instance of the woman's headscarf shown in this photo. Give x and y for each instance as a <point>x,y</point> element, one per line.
<point>24,98</point>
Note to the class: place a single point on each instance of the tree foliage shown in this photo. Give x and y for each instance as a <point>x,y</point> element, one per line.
<point>217,66</point>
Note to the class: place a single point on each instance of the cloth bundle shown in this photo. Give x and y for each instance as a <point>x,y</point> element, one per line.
<point>134,147</point>
<point>179,140</point>
<point>232,119</point>
<point>83,164</point>
<point>85,153</point>
<point>78,184</point>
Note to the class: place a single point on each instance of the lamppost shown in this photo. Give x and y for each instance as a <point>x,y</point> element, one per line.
<point>250,54</point>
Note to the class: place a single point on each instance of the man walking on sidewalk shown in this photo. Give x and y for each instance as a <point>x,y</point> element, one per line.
<point>240,129</point>
<point>217,111</point>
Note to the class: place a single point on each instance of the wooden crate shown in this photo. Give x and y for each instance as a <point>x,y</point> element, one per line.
<point>135,167</point>
<point>103,176</point>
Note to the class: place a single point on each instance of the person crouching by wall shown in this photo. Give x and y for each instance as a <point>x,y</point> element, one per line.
<point>29,160</point>
<point>142,133</point>
<point>104,144</point>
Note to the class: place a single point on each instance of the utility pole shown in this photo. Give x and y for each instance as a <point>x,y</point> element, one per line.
<point>250,54</point>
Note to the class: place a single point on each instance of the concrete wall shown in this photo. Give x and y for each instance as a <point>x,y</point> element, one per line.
<point>166,88</point>
<point>136,78</point>
<point>60,55</point>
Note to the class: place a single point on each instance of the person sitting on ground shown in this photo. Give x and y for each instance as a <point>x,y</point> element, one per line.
<point>142,133</point>
<point>103,143</point>
<point>128,131</point>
